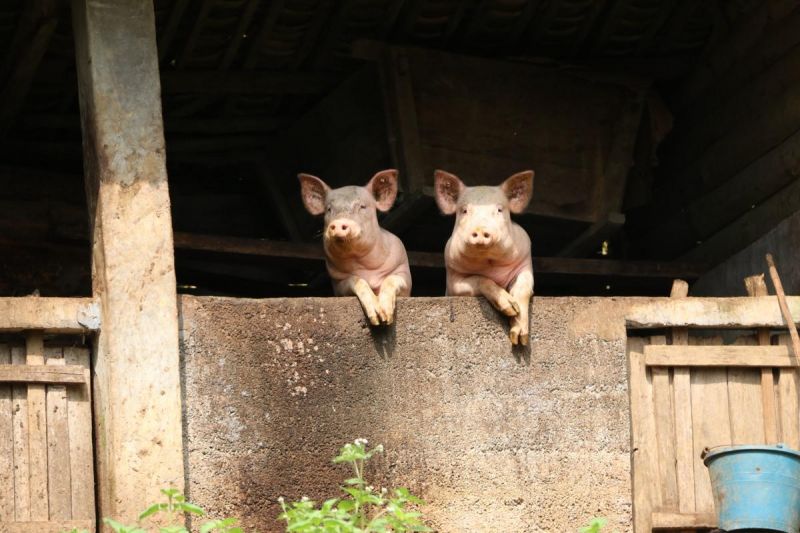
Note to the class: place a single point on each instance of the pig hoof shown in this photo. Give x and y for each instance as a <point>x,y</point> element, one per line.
<point>524,339</point>
<point>514,335</point>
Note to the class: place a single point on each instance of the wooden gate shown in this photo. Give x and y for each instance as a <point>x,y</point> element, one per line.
<point>46,458</point>
<point>685,398</point>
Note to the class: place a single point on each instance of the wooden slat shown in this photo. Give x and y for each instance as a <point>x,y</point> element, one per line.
<point>744,399</point>
<point>723,313</point>
<point>80,438</point>
<point>756,286</point>
<point>46,527</point>
<point>678,521</point>
<point>788,408</point>
<point>55,315</point>
<point>711,426</point>
<point>6,445</point>
<point>643,437</point>
<point>35,374</point>
<point>726,356</point>
<point>22,493</point>
<point>37,431</point>
<point>682,404</point>
<point>58,471</point>
<point>665,432</point>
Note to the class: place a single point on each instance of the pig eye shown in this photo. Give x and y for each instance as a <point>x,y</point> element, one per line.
<point>499,209</point>
<point>362,206</point>
<point>328,209</point>
<point>464,210</point>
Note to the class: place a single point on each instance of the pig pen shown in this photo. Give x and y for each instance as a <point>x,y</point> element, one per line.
<point>494,439</point>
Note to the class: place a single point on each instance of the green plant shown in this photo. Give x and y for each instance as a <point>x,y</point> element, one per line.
<point>596,525</point>
<point>173,509</point>
<point>364,509</point>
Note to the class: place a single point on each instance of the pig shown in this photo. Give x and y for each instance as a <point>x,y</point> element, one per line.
<point>487,253</point>
<point>362,258</point>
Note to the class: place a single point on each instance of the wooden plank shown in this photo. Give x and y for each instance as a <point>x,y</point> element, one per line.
<point>719,313</point>
<point>401,118</point>
<point>711,426</point>
<point>682,399</point>
<point>47,527</point>
<point>744,399</point>
<point>6,445</point>
<point>56,315</point>
<point>728,356</point>
<point>542,265</point>
<point>136,392</point>
<point>665,432</point>
<point>22,493</point>
<point>34,374</point>
<point>58,471</point>
<point>37,431</point>
<point>747,228</point>
<point>678,521</point>
<point>81,456</point>
<point>643,438</point>
<point>788,408</point>
<point>756,286</point>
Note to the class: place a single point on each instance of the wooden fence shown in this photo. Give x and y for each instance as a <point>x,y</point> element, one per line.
<point>685,398</point>
<point>46,454</point>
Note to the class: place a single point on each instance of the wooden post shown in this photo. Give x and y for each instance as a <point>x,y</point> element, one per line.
<point>137,400</point>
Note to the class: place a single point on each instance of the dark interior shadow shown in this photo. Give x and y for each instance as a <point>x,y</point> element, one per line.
<point>384,338</point>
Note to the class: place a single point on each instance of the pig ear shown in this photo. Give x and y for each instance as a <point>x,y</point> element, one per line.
<point>518,189</point>
<point>448,188</point>
<point>313,190</point>
<point>383,186</point>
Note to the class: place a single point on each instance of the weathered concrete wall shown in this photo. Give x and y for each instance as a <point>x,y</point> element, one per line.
<point>495,440</point>
<point>727,278</point>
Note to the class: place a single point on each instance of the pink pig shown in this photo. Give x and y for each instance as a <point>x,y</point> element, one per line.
<point>487,253</point>
<point>362,258</point>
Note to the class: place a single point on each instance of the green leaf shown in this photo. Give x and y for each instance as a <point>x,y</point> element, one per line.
<point>192,508</point>
<point>153,509</point>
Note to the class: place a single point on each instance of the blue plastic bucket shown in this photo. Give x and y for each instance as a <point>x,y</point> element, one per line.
<point>756,487</point>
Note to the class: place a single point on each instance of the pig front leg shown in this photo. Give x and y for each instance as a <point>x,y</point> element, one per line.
<point>387,296</point>
<point>361,289</point>
<point>475,285</point>
<point>522,290</point>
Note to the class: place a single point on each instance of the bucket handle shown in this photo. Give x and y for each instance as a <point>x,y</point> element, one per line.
<point>707,450</point>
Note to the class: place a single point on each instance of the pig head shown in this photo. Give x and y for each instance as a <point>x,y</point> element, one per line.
<point>362,258</point>
<point>488,253</point>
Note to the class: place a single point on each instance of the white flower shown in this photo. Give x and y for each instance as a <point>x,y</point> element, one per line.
<point>361,441</point>
<point>280,499</point>
<point>370,488</point>
<point>304,499</point>
<point>383,490</point>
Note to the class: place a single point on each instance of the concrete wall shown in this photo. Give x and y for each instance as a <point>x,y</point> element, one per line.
<point>782,241</point>
<point>495,440</point>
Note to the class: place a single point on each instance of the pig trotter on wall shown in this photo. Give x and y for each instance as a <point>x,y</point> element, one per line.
<point>488,253</point>
<point>362,258</point>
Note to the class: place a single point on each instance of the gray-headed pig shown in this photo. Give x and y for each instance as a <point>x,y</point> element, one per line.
<point>488,253</point>
<point>363,259</point>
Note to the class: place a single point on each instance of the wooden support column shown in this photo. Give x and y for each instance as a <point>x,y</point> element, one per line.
<point>137,400</point>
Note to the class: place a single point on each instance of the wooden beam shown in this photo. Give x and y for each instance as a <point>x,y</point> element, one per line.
<point>244,82</point>
<point>542,265</point>
<point>51,526</point>
<point>717,313</point>
<point>58,375</point>
<point>590,240</point>
<point>683,521</point>
<point>53,315</point>
<point>744,356</point>
<point>748,228</point>
<point>136,362</point>
<point>711,212</point>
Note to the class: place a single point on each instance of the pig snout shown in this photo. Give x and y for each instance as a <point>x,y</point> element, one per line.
<point>481,237</point>
<point>342,229</point>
